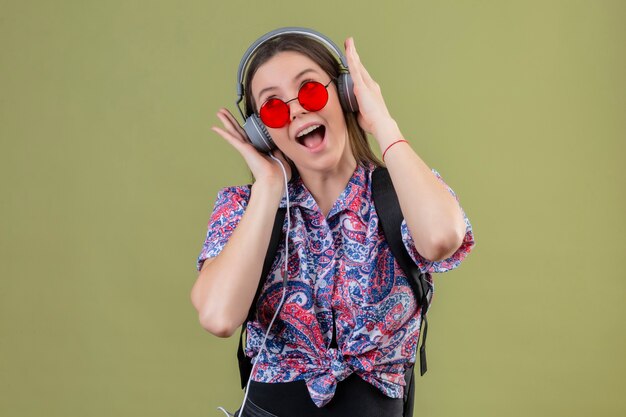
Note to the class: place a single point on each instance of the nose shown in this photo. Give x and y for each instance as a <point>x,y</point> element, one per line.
<point>295,109</point>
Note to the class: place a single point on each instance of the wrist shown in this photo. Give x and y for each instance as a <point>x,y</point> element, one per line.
<point>270,188</point>
<point>386,133</point>
<point>391,145</point>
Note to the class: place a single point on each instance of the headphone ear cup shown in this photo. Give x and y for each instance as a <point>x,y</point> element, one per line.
<point>345,86</point>
<point>258,134</point>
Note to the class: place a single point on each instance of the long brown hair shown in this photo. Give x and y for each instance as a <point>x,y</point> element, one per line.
<point>319,54</point>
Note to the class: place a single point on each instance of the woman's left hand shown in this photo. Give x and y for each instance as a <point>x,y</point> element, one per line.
<point>373,115</point>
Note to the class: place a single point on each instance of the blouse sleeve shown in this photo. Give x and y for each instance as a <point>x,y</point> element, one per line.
<point>446,264</point>
<point>229,207</point>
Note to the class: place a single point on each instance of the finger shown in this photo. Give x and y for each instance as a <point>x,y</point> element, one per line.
<point>227,121</point>
<point>234,141</point>
<point>231,127</point>
<point>352,53</point>
<point>226,135</point>
<point>234,122</point>
<point>369,81</point>
<point>365,75</point>
<point>353,63</point>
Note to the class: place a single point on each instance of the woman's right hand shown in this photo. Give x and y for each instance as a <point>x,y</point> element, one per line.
<point>264,169</point>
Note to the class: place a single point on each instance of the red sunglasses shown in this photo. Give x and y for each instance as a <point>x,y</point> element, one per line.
<point>312,96</point>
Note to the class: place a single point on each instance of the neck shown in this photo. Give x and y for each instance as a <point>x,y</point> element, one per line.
<point>326,186</point>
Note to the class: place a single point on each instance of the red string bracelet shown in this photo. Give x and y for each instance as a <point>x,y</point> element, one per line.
<point>398,141</point>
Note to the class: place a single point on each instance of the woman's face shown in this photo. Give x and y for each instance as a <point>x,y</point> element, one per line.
<point>325,147</point>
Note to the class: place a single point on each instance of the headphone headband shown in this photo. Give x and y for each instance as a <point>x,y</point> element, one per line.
<point>275,33</point>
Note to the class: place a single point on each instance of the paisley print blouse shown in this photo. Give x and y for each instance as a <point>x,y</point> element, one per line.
<point>343,278</point>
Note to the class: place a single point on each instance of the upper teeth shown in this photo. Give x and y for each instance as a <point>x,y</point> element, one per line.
<point>307,130</point>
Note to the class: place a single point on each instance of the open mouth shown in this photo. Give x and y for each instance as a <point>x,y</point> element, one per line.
<point>312,138</point>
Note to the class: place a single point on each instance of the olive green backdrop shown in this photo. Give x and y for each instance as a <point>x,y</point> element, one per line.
<point>109,171</point>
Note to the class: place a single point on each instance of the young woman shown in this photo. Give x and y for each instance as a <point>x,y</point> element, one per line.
<point>348,325</point>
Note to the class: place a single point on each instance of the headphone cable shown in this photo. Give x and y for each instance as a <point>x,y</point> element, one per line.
<point>282,299</point>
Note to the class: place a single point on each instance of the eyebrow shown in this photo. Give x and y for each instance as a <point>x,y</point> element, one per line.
<point>303,72</point>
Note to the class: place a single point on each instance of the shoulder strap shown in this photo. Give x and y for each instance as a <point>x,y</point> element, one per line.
<point>390,218</point>
<point>245,363</point>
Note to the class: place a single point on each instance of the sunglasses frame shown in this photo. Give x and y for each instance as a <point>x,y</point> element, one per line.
<point>295,98</point>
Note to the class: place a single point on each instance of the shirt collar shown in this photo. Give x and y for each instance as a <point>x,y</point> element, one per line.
<point>352,198</point>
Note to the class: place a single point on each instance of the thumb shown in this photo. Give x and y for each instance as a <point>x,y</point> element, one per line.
<point>363,123</point>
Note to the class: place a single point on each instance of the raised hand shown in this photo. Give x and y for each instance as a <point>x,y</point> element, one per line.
<point>373,114</point>
<point>262,166</point>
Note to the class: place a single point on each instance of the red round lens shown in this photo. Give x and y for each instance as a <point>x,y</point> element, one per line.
<point>313,96</point>
<point>274,113</point>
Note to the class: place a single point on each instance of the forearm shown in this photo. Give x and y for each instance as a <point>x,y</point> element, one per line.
<point>432,214</point>
<point>225,288</point>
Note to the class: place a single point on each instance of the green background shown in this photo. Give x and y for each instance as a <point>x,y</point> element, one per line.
<point>109,171</point>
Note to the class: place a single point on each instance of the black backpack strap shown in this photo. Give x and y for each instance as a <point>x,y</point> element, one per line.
<point>390,218</point>
<point>409,392</point>
<point>245,363</point>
